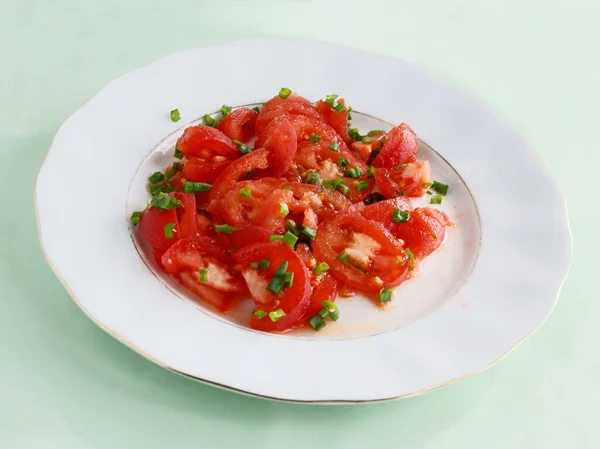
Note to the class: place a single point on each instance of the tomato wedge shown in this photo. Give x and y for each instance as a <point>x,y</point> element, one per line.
<point>424,232</point>
<point>293,300</point>
<point>307,127</point>
<point>338,120</point>
<point>220,300</point>
<point>202,254</point>
<point>206,142</point>
<point>401,147</point>
<point>238,168</point>
<point>280,142</point>
<point>382,211</point>
<point>325,287</point>
<point>248,235</point>
<point>361,253</point>
<point>239,124</point>
<point>152,227</point>
<point>407,180</point>
<point>200,170</point>
<point>277,107</point>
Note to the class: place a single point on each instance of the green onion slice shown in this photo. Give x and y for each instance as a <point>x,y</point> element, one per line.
<point>194,187</point>
<point>156,177</point>
<point>308,232</point>
<point>175,115</point>
<point>225,228</point>
<point>400,216</point>
<point>178,154</point>
<point>260,314</point>
<point>246,192</point>
<point>203,274</point>
<point>135,218</point>
<point>313,178</point>
<point>334,146</point>
<point>284,210</point>
<point>435,199</point>
<point>284,92</point>
<point>169,230</point>
<point>276,284</point>
<point>321,268</point>
<point>209,121</point>
<point>317,322</point>
<point>440,188</point>
<point>276,315</point>
<point>385,295</point>
<point>362,185</point>
<point>225,110</point>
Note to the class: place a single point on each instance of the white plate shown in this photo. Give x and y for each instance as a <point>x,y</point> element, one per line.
<point>491,285</point>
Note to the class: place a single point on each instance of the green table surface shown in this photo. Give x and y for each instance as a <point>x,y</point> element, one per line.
<point>66,384</point>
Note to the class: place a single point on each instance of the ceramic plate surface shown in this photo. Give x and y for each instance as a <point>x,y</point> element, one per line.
<point>493,282</point>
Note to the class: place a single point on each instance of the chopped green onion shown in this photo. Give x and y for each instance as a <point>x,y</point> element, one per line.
<point>290,238</point>
<point>276,315</point>
<point>313,178</point>
<point>177,166</point>
<point>368,140</point>
<point>331,308</point>
<point>400,216</point>
<point>313,138</point>
<point>209,121</point>
<point>246,192</point>
<point>374,197</point>
<point>317,322</point>
<point>349,113</point>
<point>440,188</point>
<point>169,229</point>
<point>436,199</point>
<point>308,232</point>
<point>412,261</point>
<point>178,154</point>
<point>409,253</point>
<point>225,229</point>
<point>288,279</point>
<point>135,218</point>
<point>264,264</point>
<point>283,209</point>
<point>334,146</point>
<point>362,185</point>
<point>343,162</point>
<point>284,92</point>
<point>344,257</point>
<point>339,107</point>
<point>175,115</point>
<point>242,148</point>
<point>333,184</point>
<point>291,226</point>
<point>275,238</point>
<point>225,110</point>
<point>375,132</point>
<point>155,189</point>
<point>344,189</point>
<point>403,193</point>
<point>429,192</point>
<point>371,172</point>
<point>156,177</point>
<point>164,202</point>
<point>276,284</point>
<point>195,187</point>
<point>354,134</point>
<point>254,265</point>
<point>203,275</point>
<point>260,314</point>
<point>169,189</point>
<point>385,295</point>
<point>330,99</point>
<point>256,108</point>
<point>321,268</point>
<point>354,172</point>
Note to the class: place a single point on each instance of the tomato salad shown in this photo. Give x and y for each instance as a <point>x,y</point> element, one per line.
<point>290,205</point>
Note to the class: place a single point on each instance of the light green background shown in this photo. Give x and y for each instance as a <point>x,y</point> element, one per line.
<point>65,384</point>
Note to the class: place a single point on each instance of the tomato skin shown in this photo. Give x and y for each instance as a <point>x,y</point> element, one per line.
<point>239,124</point>
<point>365,149</point>
<point>383,210</point>
<point>277,107</point>
<point>424,232</point>
<point>307,126</point>
<point>387,267</point>
<point>410,179</point>
<point>249,235</point>
<point>337,120</point>
<point>230,176</point>
<point>200,170</point>
<point>207,295</point>
<point>294,300</point>
<point>401,147</point>
<point>325,288</point>
<point>186,216</point>
<point>152,227</point>
<point>280,142</point>
<point>206,142</point>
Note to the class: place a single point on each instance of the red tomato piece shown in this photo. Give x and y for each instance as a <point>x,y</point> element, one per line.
<point>408,180</point>
<point>293,301</point>
<point>220,300</point>
<point>309,126</point>
<point>187,216</point>
<point>322,202</point>
<point>203,254</point>
<point>382,211</point>
<point>200,170</point>
<point>424,232</point>
<point>325,287</point>
<point>365,149</point>
<point>280,142</point>
<point>306,255</point>
<point>206,142</point>
<point>277,107</point>
<point>152,227</point>
<point>337,120</point>
<point>239,124</point>
<point>248,235</point>
<point>238,168</point>
<point>361,253</point>
<point>401,147</point>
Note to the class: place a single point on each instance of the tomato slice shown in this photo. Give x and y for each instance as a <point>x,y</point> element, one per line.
<point>308,126</point>
<point>152,227</point>
<point>360,252</point>
<point>277,107</point>
<point>325,287</point>
<point>280,142</point>
<point>238,168</point>
<point>401,147</point>
<point>186,216</point>
<point>382,211</point>
<point>407,180</point>
<point>424,232</point>
<point>337,120</point>
<point>293,301</point>
<point>239,124</point>
<point>248,235</point>
<point>203,254</point>
<point>200,170</point>
<point>220,300</point>
<point>206,142</point>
